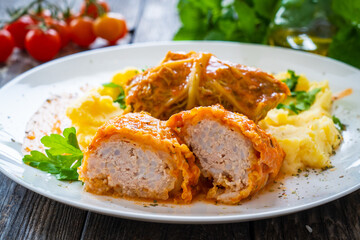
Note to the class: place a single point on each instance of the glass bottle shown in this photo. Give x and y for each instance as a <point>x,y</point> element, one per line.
<point>303,25</point>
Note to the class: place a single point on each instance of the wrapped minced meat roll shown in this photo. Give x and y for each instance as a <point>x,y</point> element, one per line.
<point>186,80</point>
<point>232,152</point>
<point>136,155</point>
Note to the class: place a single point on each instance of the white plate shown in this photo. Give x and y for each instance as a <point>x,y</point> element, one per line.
<point>21,97</point>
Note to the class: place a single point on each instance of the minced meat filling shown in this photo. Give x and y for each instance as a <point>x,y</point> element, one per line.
<point>132,170</point>
<point>224,155</point>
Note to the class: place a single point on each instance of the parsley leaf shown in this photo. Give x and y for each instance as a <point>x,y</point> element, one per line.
<point>111,85</point>
<point>292,81</point>
<point>303,100</point>
<point>121,97</point>
<point>299,100</point>
<point>291,107</point>
<point>62,158</point>
<point>338,124</point>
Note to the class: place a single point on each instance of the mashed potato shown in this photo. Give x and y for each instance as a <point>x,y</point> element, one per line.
<point>97,106</point>
<point>308,138</point>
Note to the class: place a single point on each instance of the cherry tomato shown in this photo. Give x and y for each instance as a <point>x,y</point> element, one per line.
<point>110,26</point>
<point>62,28</point>
<point>92,10</point>
<point>19,29</point>
<point>68,16</point>
<point>82,32</point>
<point>43,45</point>
<point>43,14</point>
<point>6,45</point>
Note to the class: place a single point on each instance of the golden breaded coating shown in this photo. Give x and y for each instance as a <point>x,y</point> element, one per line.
<point>232,152</point>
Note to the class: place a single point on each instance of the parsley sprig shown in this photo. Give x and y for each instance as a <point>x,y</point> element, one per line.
<point>62,158</point>
<point>301,100</point>
<point>292,81</point>
<point>338,124</point>
<point>121,97</point>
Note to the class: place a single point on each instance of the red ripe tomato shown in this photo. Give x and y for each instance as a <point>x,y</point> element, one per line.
<point>19,29</point>
<point>62,28</point>
<point>92,10</point>
<point>43,45</point>
<point>82,32</point>
<point>6,45</point>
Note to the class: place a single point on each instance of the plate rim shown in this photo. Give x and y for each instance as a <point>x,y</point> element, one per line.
<point>163,218</point>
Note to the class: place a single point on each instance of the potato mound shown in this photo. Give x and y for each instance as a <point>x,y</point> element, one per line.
<point>97,106</point>
<point>308,138</point>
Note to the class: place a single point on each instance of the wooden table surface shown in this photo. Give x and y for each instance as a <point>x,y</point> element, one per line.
<point>27,215</point>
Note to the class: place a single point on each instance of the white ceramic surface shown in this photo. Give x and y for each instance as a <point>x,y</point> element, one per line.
<point>20,98</point>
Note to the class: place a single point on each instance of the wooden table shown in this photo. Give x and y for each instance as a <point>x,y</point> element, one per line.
<point>27,215</point>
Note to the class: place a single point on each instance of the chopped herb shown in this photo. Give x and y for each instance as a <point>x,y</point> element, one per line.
<point>145,68</point>
<point>153,204</point>
<point>326,168</point>
<point>338,124</point>
<point>62,158</point>
<point>111,85</point>
<point>292,81</point>
<point>121,98</point>
<point>155,201</point>
<point>300,100</point>
<point>291,107</point>
<point>305,99</point>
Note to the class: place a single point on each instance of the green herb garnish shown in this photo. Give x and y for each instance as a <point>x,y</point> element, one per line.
<point>111,85</point>
<point>62,158</point>
<point>291,107</point>
<point>292,81</point>
<point>121,97</point>
<point>299,100</point>
<point>338,124</point>
<point>303,100</point>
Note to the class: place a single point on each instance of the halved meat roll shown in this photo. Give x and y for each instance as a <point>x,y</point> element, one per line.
<point>136,155</point>
<point>232,151</point>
